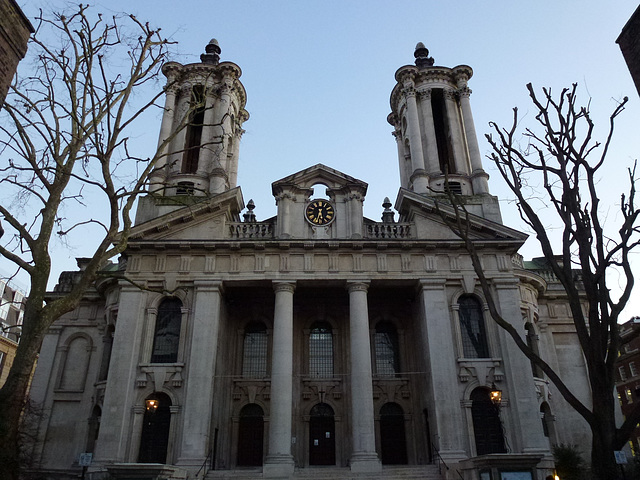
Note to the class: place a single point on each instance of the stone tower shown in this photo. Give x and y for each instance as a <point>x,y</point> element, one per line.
<point>200,131</point>
<point>435,133</point>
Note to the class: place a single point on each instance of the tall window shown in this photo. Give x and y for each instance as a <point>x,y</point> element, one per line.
<point>254,357</point>
<point>167,332</point>
<point>321,350</point>
<point>386,348</point>
<point>472,329</point>
<point>194,131</point>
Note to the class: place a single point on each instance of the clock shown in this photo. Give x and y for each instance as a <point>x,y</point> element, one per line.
<point>319,212</point>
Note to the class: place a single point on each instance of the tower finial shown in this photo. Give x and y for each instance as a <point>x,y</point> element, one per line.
<point>422,56</point>
<point>212,55</point>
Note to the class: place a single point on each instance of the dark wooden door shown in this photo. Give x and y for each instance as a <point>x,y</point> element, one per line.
<point>156,422</point>
<point>322,442</point>
<point>250,436</point>
<point>393,442</point>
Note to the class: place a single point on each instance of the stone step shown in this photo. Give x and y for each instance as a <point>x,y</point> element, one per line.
<point>423,472</point>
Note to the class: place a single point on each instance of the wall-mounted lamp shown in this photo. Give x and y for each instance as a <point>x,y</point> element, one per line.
<point>152,404</point>
<point>496,395</point>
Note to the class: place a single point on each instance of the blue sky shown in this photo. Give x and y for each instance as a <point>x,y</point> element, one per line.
<point>318,75</point>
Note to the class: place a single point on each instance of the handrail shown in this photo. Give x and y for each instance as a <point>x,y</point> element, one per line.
<point>440,459</point>
<point>203,464</point>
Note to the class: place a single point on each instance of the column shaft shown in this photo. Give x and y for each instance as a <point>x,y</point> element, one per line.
<point>279,461</point>
<point>364,457</point>
<point>480,185</point>
<point>418,176</point>
<point>158,175</point>
<point>432,162</point>
<point>453,118</point>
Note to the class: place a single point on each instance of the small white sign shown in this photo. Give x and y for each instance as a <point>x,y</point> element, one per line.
<point>85,459</point>
<point>621,457</point>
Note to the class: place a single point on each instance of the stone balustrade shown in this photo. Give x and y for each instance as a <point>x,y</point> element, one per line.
<point>388,230</point>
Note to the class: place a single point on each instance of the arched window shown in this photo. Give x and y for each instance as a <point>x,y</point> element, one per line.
<point>472,329</point>
<point>548,426</point>
<point>254,356</point>
<point>193,135</point>
<point>386,348</point>
<point>321,350</point>
<point>393,441</point>
<point>487,428</point>
<point>166,337</point>
<point>154,440</point>
<point>322,433</point>
<point>250,435</point>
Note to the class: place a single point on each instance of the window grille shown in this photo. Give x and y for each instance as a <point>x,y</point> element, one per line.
<point>472,328</point>
<point>254,360</point>
<point>167,332</point>
<point>321,350</point>
<point>386,348</point>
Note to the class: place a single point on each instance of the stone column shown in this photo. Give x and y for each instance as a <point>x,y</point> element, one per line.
<point>418,175</point>
<point>207,139</point>
<point>364,457</point>
<point>279,461</point>
<point>453,119</point>
<point>440,359</point>
<point>432,162</point>
<point>479,176</point>
<point>158,175</point>
<point>355,215</point>
<point>402,161</point>
<point>202,365</point>
<point>180,123</point>
<point>120,394</point>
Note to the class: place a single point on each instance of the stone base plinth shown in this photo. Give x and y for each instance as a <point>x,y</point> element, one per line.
<point>365,463</point>
<point>278,466</point>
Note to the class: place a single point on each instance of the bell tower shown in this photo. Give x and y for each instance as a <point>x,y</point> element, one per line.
<point>201,127</point>
<point>435,133</point>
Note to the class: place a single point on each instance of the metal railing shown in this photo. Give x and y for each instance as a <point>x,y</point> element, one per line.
<point>442,463</point>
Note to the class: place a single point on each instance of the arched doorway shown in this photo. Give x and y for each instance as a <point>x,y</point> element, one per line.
<point>250,435</point>
<point>155,429</point>
<point>393,442</point>
<point>322,429</point>
<point>487,428</point>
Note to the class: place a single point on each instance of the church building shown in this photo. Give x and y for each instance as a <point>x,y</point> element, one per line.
<point>317,343</point>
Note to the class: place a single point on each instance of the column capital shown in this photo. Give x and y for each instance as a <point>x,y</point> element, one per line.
<point>425,93</point>
<point>464,92</point>
<point>358,286</point>
<point>208,285</point>
<point>432,283</point>
<point>282,286</point>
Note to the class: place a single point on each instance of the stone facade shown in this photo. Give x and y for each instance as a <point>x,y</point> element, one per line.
<point>317,338</point>
<point>629,41</point>
<point>14,34</point>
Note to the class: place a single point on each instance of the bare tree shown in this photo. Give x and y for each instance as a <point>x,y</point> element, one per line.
<point>566,161</point>
<point>65,152</point>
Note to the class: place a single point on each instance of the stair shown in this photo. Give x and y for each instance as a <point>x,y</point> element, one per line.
<point>422,472</point>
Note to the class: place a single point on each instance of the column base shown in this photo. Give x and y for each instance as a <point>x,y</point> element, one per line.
<point>365,463</point>
<point>278,466</point>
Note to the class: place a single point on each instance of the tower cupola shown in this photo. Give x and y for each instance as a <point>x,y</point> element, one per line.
<point>201,127</point>
<point>434,130</point>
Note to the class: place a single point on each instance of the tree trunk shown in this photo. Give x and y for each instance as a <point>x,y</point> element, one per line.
<point>13,396</point>
<point>603,428</point>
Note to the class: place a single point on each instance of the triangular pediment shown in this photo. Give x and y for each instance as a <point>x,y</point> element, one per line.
<point>203,220</point>
<point>426,213</point>
<point>331,178</point>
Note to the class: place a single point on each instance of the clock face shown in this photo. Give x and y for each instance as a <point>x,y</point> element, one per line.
<point>320,212</point>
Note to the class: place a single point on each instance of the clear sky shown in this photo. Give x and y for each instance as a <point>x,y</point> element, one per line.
<point>318,76</point>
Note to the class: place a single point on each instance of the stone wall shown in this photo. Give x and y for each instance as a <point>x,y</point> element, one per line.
<point>14,34</point>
